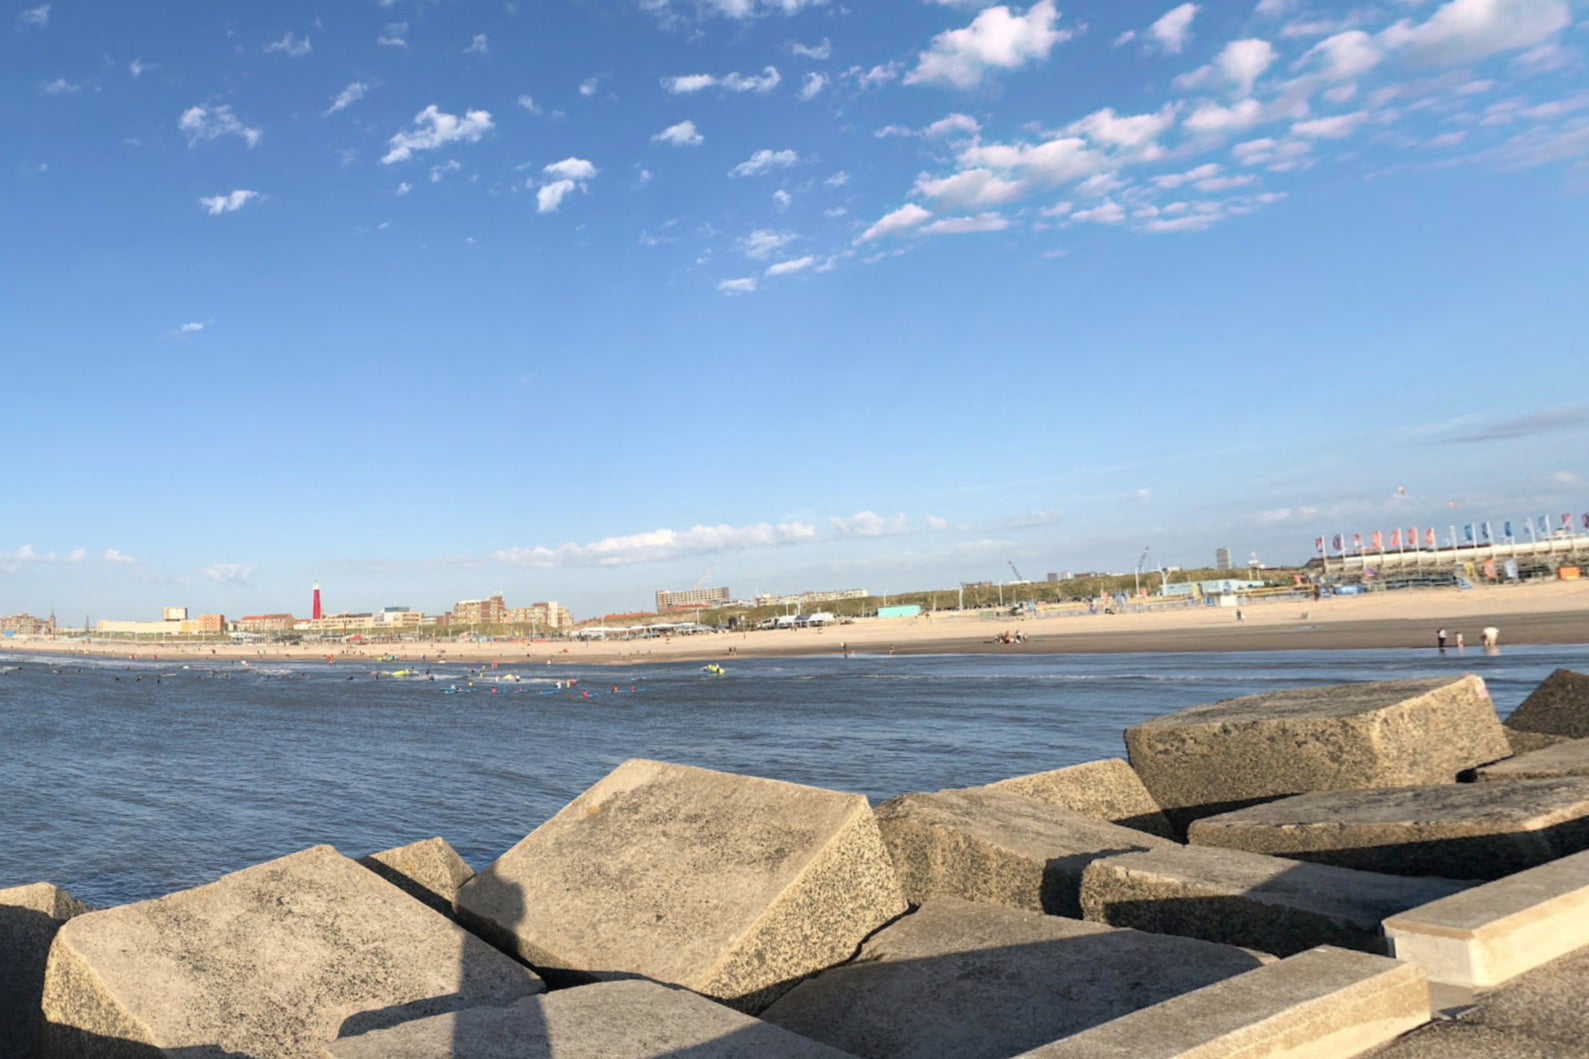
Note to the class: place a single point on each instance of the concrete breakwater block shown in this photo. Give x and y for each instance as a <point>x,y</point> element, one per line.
<point>1227,755</point>
<point>430,872</point>
<point>1107,790</point>
<point>1492,933</point>
<point>1325,1003</point>
<point>30,916</point>
<point>1527,742</point>
<point>1559,706</point>
<point>729,885</point>
<point>960,980</point>
<point>610,1020</point>
<point>998,847</point>
<point>277,960</point>
<point>1268,903</point>
<point>1567,758</point>
<point>1461,831</point>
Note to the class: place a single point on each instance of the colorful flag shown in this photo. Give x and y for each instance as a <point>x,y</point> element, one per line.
<point>1379,542</point>
<point>1566,522</point>
<point>1467,533</point>
<point>1357,543</point>
<point>1318,545</point>
<point>1429,537</point>
<point>1395,539</point>
<point>1337,544</point>
<point>1544,526</point>
<point>1485,532</point>
<point>1506,527</point>
<point>1412,537</point>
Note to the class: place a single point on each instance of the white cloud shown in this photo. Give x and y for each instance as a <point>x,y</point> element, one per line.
<point>684,134</point>
<point>685,84</point>
<point>113,556</point>
<point>961,125</point>
<point>970,188</point>
<point>735,9</point>
<point>292,46</point>
<point>529,104</point>
<point>782,199</point>
<point>78,555</point>
<point>982,222</point>
<point>1056,161</point>
<point>479,45</point>
<point>551,196</point>
<point>404,188</point>
<point>209,123</point>
<point>812,86</point>
<point>434,129</point>
<point>1215,120</point>
<point>588,86</point>
<point>228,203</point>
<point>1130,132</point>
<point>662,544</point>
<point>138,66</point>
<point>1170,181</point>
<point>996,39</point>
<point>764,242</point>
<point>1110,212</point>
<point>743,285</point>
<point>393,35</point>
<point>1335,128</point>
<point>36,16</point>
<point>348,96</point>
<point>61,86</point>
<point>837,180</point>
<point>228,573</point>
<point>192,327</point>
<point>903,219</point>
<point>1173,28</point>
<point>819,52</point>
<point>567,175</point>
<point>1466,31</point>
<point>1345,55</point>
<point>1244,61</point>
<point>784,268</point>
<point>936,523</point>
<point>870,524</point>
<point>764,161</point>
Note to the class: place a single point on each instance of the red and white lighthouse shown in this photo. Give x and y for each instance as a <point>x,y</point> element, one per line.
<point>316,607</point>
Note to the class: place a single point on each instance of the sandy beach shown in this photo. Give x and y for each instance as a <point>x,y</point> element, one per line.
<point>1546,613</point>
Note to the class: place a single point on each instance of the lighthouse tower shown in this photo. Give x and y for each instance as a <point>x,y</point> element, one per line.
<point>317,601</point>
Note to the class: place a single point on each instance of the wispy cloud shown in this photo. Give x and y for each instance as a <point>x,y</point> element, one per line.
<point>228,203</point>
<point>661,544</point>
<point>228,573</point>
<point>292,46</point>
<point>208,123</point>
<point>1547,421</point>
<point>347,97</point>
<point>434,128</point>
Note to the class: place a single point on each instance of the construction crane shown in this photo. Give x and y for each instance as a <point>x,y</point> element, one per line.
<point>1140,564</point>
<point>700,582</point>
<point>1019,580</point>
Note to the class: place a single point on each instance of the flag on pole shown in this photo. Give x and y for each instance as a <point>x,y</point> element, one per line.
<point>1429,537</point>
<point>1357,543</point>
<point>1395,539</point>
<point>1338,544</point>
<point>1506,527</point>
<point>1467,533</point>
<point>1544,526</point>
<point>1528,528</point>
<point>1412,537</point>
<point>1318,545</point>
<point>1379,542</point>
<point>1453,536</point>
<point>1566,522</point>
<point>1484,532</point>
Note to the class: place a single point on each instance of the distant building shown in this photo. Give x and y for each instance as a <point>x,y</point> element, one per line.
<point>266,623</point>
<point>1222,559</point>
<point>490,611</point>
<point>691,598</point>
<point>548,615</point>
<point>27,625</point>
<point>174,614</point>
<point>1053,578</point>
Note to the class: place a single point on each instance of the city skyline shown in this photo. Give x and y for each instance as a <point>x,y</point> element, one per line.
<point>580,301</point>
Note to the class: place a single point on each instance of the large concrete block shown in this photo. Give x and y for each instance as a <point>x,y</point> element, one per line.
<point>1462,831</point>
<point>1321,1004</point>
<point>430,871</point>
<point>611,1020</point>
<point>276,960</point>
<point>729,885</point>
<point>960,980</point>
<point>1268,903</point>
<point>30,916</point>
<point>1107,790</point>
<point>1527,742</point>
<point>1492,933</point>
<point>1211,759</point>
<point>1567,758</point>
<point>996,846</point>
<point>1559,706</point>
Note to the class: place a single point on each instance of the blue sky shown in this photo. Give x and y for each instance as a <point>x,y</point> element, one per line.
<point>575,300</point>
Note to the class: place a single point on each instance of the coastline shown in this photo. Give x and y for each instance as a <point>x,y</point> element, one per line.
<point>1548,613</point>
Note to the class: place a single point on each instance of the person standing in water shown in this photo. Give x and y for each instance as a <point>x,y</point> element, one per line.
<point>1440,638</point>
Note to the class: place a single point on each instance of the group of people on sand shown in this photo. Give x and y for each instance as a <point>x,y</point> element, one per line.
<point>1007,637</point>
<point>1491,637</point>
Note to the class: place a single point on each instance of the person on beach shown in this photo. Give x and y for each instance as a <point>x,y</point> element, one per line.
<point>1459,641</point>
<point>1440,639</point>
<point>1492,636</point>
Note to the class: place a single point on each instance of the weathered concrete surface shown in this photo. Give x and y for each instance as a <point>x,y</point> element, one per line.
<point>1268,903</point>
<point>966,981</point>
<point>1527,742</point>
<point>1210,759</point>
<point>430,871</point>
<point>1567,758</point>
<point>1492,933</point>
<point>1462,831</point>
<point>276,960</point>
<point>30,916</point>
<point>1321,1004</point>
<point>999,847</point>
<point>1543,1014</point>
<point>729,885</point>
<point>611,1020</point>
<point>1559,706</point>
<point>1106,790</point>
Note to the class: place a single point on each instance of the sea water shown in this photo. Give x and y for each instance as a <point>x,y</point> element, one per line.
<point>122,780</point>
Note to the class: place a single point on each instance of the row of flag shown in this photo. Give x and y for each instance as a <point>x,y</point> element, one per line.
<point>1473,533</point>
